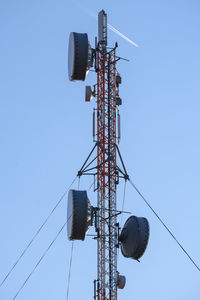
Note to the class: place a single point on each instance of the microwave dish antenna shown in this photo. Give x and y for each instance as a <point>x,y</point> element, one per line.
<point>134,237</point>
<point>79,214</point>
<point>79,56</point>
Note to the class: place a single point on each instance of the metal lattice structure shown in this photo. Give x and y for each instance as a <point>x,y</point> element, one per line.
<point>134,236</point>
<point>106,172</point>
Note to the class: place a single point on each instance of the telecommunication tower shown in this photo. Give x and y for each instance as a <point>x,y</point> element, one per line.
<point>133,238</point>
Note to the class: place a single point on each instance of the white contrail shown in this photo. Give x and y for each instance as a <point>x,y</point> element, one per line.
<point>122,35</point>
<point>93,15</point>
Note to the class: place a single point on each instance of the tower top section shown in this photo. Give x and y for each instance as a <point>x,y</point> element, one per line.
<point>102,28</point>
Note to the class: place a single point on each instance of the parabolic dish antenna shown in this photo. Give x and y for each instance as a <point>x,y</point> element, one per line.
<point>134,237</point>
<point>79,212</point>
<point>79,56</point>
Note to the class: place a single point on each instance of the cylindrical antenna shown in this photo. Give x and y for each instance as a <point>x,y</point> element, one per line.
<point>93,126</point>
<point>119,127</point>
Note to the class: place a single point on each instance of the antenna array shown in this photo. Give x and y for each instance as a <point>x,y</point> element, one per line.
<point>133,238</point>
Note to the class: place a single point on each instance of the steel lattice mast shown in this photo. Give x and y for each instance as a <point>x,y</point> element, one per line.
<point>106,160</point>
<point>133,238</point>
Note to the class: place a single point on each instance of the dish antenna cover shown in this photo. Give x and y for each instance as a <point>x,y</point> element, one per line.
<point>79,213</point>
<point>134,237</point>
<point>79,56</point>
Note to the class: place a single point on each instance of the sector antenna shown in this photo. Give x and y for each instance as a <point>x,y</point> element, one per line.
<point>107,166</point>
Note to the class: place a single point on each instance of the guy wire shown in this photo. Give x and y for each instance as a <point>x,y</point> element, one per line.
<point>169,231</point>
<point>36,234</point>
<point>70,267</point>
<point>41,258</point>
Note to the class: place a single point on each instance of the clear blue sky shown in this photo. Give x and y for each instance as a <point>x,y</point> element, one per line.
<point>46,133</point>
